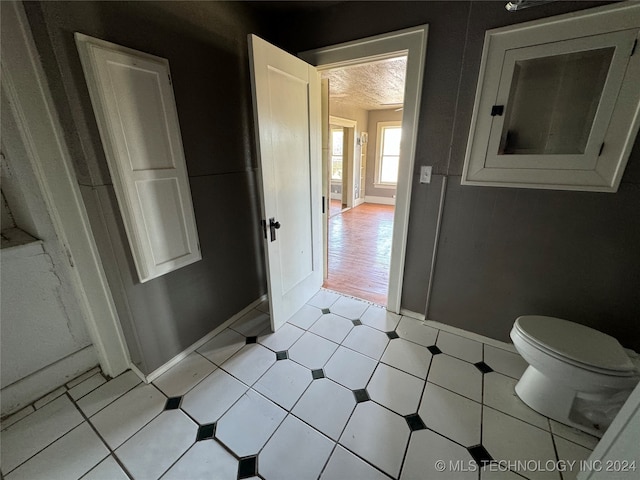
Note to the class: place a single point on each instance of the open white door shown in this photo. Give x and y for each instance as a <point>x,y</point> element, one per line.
<point>286,104</point>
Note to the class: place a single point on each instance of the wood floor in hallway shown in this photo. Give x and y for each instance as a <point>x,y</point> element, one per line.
<point>360,251</point>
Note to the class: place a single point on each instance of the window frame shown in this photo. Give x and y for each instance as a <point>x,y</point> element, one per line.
<point>380,127</point>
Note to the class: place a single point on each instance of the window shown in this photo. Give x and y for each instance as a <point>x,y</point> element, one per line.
<point>388,153</point>
<point>337,141</point>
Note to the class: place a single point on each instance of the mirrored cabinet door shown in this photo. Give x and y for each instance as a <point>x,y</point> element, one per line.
<point>557,102</point>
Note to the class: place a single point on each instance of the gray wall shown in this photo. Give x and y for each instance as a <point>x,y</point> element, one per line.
<point>205,43</point>
<point>501,252</point>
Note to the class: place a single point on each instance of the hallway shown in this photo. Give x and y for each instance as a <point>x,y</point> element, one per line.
<point>360,251</point>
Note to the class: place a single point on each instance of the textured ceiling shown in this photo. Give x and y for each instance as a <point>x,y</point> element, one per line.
<point>372,86</point>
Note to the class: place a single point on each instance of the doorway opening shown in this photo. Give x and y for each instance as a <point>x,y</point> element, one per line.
<point>365,104</point>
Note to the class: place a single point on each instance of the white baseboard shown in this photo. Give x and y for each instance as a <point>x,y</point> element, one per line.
<point>459,331</point>
<point>175,360</point>
<point>359,201</point>
<point>29,389</point>
<point>379,200</point>
<point>336,196</point>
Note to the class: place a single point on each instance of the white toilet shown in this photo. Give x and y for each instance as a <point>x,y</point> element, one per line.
<point>576,375</point>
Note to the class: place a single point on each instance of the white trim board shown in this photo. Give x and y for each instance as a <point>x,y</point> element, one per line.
<point>413,42</point>
<point>380,200</point>
<point>25,85</point>
<point>192,348</point>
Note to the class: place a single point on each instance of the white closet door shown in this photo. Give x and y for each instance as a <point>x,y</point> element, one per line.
<point>136,113</point>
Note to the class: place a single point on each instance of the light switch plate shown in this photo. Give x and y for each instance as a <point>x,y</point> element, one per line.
<point>425,174</point>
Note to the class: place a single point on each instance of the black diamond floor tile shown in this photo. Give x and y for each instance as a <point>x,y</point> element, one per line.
<point>483,367</point>
<point>434,350</point>
<point>392,335</point>
<point>317,374</point>
<point>356,323</point>
<point>325,311</point>
<point>480,455</point>
<point>206,431</point>
<point>248,467</point>
<point>415,422</point>
<point>251,340</point>
<point>283,355</point>
<point>173,403</point>
<point>361,395</point>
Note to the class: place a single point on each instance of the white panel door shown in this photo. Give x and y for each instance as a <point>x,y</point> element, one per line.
<point>287,113</point>
<point>134,105</point>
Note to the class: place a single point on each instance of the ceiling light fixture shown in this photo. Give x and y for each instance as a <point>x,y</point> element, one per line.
<point>516,5</point>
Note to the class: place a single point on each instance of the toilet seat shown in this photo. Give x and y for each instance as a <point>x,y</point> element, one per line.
<point>576,344</point>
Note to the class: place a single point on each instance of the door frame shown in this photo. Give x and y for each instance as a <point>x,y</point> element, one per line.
<point>25,85</point>
<point>412,42</point>
<point>348,157</point>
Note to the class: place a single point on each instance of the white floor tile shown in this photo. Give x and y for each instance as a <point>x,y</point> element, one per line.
<point>252,323</point>
<point>395,389</point>
<point>456,375</point>
<point>185,375</point>
<point>87,386</point>
<point>206,460</point>
<point>71,456</point>
<point>502,361</point>
<point>417,332</point>
<point>81,378</point>
<point>408,356</point>
<point>380,318</point>
<point>208,400</point>
<point>326,406</point>
<point>572,454</point>
<point>250,363</point>
<point>17,416</point>
<point>222,346</point>
<point>426,448</point>
<point>49,397</point>
<point>349,368</point>
<point>332,327</point>
<point>306,316</point>
<point>124,417</point>
<point>451,415</point>
<point>573,434</point>
<point>367,340</point>
<point>281,340</point>
<point>498,472</point>
<point>502,437</point>
<point>312,351</point>
<point>324,299</point>
<point>460,347</point>
<point>247,426</point>
<point>499,393</point>
<point>368,425</point>
<point>284,383</point>
<point>27,437</point>
<point>151,451</point>
<point>345,465</point>
<point>295,452</point>
<point>107,393</point>
<point>350,308</point>
<point>108,469</point>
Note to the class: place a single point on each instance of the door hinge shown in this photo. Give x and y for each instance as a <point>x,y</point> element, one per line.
<point>170,83</point>
<point>601,148</point>
<point>264,228</point>
<point>633,49</point>
<point>497,110</point>
<point>323,200</point>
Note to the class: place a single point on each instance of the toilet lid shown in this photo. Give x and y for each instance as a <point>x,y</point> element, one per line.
<point>576,342</point>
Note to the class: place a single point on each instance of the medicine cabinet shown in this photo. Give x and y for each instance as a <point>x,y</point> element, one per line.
<point>557,103</point>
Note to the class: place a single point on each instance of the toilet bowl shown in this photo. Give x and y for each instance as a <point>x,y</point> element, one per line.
<point>576,375</point>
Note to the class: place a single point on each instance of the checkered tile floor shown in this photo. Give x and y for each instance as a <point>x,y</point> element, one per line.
<point>343,391</point>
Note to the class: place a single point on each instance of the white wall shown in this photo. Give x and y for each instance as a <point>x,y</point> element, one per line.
<point>43,339</point>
